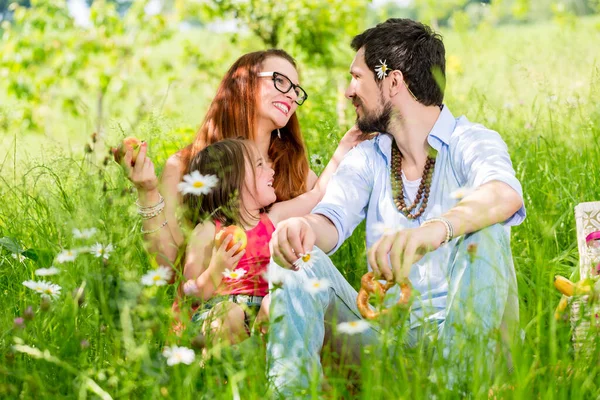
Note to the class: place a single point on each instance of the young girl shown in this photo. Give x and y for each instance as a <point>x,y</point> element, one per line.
<point>231,283</point>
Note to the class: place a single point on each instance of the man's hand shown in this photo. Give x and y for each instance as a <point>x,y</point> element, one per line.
<point>292,237</point>
<point>405,248</point>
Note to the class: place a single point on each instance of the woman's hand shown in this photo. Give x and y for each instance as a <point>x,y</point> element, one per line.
<point>351,138</point>
<point>142,173</point>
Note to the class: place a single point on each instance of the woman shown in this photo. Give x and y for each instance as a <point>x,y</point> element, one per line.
<point>256,100</point>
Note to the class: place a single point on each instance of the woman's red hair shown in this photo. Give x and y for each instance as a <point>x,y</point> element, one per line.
<point>232,114</point>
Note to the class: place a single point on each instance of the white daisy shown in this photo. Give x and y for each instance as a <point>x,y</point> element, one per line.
<point>85,233</point>
<point>235,274</point>
<point>275,274</point>
<point>45,289</point>
<point>66,255</point>
<point>315,159</point>
<point>47,271</point>
<point>101,251</point>
<point>381,229</point>
<point>197,184</point>
<point>315,285</point>
<point>306,260</point>
<point>462,192</point>
<point>19,257</point>
<point>352,327</point>
<point>382,69</point>
<point>178,354</point>
<point>157,277</point>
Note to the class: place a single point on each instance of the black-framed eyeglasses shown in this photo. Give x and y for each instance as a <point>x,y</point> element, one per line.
<point>284,85</point>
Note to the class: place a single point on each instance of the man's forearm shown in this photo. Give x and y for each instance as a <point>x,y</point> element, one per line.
<point>325,232</point>
<point>491,203</point>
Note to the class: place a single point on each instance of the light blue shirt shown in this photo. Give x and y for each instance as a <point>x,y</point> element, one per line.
<point>468,155</point>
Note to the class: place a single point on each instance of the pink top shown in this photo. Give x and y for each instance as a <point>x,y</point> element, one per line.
<point>254,262</point>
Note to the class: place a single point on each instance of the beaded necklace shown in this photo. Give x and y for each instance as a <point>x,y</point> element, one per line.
<point>398,186</point>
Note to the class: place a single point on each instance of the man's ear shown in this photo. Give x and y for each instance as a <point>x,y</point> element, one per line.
<point>395,78</point>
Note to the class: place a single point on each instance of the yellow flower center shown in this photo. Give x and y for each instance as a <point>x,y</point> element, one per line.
<point>156,278</point>
<point>48,291</point>
<point>353,324</point>
<point>316,284</point>
<point>306,258</point>
<point>233,275</point>
<point>198,184</point>
<point>383,68</point>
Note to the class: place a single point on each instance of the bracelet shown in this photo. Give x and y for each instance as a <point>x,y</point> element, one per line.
<point>154,230</point>
<point>160,204</point>
<point>151,214</point>
<point>447,224</point>
<point>152,211</point>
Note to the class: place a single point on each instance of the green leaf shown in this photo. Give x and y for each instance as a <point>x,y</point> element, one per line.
<point>11,244</point>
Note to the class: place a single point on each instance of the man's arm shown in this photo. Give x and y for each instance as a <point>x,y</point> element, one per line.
<point>492,203</point>
<point>481,156</point>
<point>334,218</point>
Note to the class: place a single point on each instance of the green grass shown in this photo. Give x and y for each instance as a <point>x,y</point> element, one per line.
<point>539,86</point>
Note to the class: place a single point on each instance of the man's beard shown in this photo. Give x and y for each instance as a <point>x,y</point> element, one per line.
<point>371,122</point>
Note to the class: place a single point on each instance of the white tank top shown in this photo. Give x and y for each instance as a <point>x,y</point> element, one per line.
<point>410,189</point>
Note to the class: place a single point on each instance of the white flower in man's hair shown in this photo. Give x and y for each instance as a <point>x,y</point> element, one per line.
<point>315,285</point>
<point>66,255</point>
<point>47,271</point>
<point>352,327</point>
<point>157,277</point>
<point>381,229</point>
<point>101,251</point>
<point>197,184</point>
<point>85,233</point>
<point>19,257</point>
<point>236,274</point>
<point>178,355</point>
<point>45,289</point>
<point>382,69</point>
<point>306,260</point>
<point>462,192</point>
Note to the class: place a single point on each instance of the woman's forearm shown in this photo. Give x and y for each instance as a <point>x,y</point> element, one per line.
<point>162,234</point>
<point>332,165</point>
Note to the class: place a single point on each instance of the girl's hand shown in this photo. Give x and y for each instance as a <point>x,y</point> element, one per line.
<point>142,174</point>
<point>226,259</point>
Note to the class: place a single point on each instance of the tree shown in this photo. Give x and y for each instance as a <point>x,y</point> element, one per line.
<point>310,28</point>
<point>44,56</point>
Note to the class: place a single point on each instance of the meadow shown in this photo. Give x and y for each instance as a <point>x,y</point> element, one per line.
<point>104,333</point>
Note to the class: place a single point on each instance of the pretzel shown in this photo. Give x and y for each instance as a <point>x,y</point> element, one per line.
<point>369,285</point>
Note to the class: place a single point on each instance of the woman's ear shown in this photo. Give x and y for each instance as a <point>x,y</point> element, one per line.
<point>395,79</point>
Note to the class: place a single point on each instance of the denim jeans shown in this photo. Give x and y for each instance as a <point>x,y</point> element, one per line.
<point>481,297</point>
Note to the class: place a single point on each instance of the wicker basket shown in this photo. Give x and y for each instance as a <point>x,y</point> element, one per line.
<point>585,326</point>
<point>585,310</point>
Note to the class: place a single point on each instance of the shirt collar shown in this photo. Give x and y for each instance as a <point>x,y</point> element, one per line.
<point>439,135</point>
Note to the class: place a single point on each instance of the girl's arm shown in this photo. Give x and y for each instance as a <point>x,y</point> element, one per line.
<point>303,204</point>
<point>204,264</point>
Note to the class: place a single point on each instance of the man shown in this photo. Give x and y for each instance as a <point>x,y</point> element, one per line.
<point>453,248</point>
